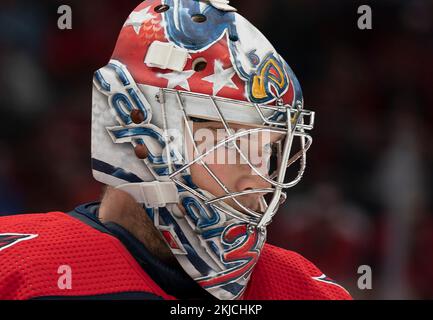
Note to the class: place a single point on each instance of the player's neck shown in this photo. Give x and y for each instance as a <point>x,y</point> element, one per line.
<point>119,207</point>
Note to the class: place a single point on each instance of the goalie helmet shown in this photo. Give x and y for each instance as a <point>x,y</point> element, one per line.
<point>177,62</point>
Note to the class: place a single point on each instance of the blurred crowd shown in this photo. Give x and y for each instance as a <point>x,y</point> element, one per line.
<point>365,197</point>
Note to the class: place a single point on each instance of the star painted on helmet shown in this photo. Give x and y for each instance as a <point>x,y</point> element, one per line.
<point>221,78</point>
<point>177,79</point>
<point>137,18</point>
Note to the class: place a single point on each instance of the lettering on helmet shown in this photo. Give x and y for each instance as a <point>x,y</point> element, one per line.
<point>243,248</point>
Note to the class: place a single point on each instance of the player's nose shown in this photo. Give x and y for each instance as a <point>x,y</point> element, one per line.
<point>251,181</point>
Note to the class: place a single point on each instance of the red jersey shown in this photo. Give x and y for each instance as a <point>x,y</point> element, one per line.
<point>37,252</point>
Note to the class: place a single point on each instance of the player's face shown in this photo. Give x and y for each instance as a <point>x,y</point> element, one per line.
<point>227,164</point>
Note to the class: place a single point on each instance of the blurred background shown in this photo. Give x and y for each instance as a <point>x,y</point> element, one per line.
<point>366,196</point>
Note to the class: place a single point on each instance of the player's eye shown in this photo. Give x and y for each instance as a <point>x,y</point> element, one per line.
<point>273,161</point>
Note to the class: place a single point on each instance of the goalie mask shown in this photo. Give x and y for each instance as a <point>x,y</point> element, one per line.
<point>183,64</point>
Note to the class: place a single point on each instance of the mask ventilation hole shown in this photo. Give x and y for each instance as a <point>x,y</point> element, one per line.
<point>233,38</point>
<point>198,18</point>
<point>199,64</point>
<point>161,8</point>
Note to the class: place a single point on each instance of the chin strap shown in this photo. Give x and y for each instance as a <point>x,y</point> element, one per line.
<point>152,194</point>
